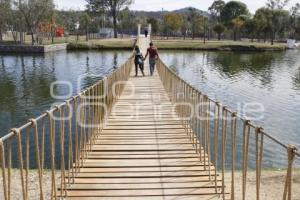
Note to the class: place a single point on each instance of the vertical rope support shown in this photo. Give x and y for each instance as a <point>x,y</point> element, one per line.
<point>246,136</point>
<point>204,129</point>
<point>216,141</point>
<point>62,154</point>
<point>259,139</point>
<point>27,160</point>
<point>201,126</point>
<point>37,154</point>
<point>20,156</point>
<point>2,160</point>
<point>287,194</point>
<point>9,157</point>
<point>233,146</point>
<point>224,136</point>
<point>52,155</point>
<point>208,137</point>
<point>70,152</point>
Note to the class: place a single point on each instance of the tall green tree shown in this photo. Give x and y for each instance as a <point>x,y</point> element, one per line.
<point>85,21</point>
<point>173,22</point>
<point>154,24</point>
<point>263,21</point>
<point>276,7</point>
<point>216,8</point>
<point>251,28</point>
<point>232,16</point>
<point>127,21</point>
<point>195,21</point>
<point>113,6</point>
<point>295,19</point>
<point>219,29</point>
<point>233,10</point>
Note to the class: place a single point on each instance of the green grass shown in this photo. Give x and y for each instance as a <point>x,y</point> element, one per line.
<point>217,45</point>
<point>114,44</point>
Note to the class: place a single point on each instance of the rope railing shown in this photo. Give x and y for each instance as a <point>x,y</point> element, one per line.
<point>58,140</point>
<point>220,135</point>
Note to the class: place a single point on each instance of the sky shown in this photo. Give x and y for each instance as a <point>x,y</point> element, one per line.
<point>155,5</point>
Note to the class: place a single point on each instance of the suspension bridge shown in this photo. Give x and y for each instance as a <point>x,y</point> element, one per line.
<point>126,137</point>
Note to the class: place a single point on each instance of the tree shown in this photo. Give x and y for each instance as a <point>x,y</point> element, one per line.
<point>195,21</point>
<point>237,24</point>
<point>216,8</point>
<point>232,15</point>
<point>219,29</point>
<point>263,21</point>
<point>85,21</point>
<point>34,12</point>
<point>185,26</point>
<point>233,10</point>
<point>113,6</point>
<point>275,7</point>
<point>295,15</point>
<point>4,16</point>
<point>126,21</point>
<point>173,22</point>
<point>154,24</point>
<point>251,28</point>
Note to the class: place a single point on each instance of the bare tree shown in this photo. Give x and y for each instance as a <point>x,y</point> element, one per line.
<point>34,12</point>
<point>113,6</point>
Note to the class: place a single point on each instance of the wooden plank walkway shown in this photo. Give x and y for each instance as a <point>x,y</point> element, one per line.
<point>144,151</point>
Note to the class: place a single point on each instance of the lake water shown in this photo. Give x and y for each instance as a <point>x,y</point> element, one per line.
<point>272,79</point>
<point>25,80</point>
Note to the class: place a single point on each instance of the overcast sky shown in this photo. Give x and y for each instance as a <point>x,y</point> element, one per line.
<point>154,5</point>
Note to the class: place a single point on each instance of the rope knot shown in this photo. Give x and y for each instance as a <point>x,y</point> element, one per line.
<point>16,131</point>
<point>68,102</point>
<point>247,122</point>
<point>259,130</point>
<point>293,149</point>
<point>57,107</point>
<point>33,122</point>
<point>48,113</point>
<point>234,115</point>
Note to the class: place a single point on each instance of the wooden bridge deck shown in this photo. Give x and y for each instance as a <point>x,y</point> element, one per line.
<point>144,151</point>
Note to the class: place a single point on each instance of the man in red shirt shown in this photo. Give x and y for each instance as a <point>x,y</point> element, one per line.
<point>153,56</point>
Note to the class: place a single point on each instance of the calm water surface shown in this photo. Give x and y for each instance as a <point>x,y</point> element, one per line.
<point>25,80</point>
<point>272,79</point>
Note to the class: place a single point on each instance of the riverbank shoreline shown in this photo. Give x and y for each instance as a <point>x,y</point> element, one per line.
<point>128,44</point>
<point>217,45</point>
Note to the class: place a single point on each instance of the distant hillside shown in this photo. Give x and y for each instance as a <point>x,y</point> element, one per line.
<point>187,9</point>
<point>160,14</point>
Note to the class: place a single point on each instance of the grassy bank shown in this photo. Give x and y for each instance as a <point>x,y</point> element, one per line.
<point>217,45</point>
<point>127,44</point>
<point>105,44</point>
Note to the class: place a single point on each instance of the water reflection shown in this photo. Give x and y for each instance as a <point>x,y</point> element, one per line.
<point>25,80</point>
<point>237,78</point>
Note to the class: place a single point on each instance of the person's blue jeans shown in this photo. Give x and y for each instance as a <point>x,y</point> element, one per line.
<point>152,62</point>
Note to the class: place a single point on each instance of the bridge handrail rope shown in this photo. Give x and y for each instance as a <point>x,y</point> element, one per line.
<point>181,92</point>
<point>90,107</point>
